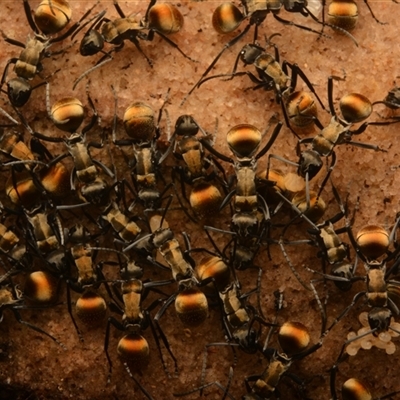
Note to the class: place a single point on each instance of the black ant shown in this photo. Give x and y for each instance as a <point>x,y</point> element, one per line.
<point>161,19</point>
<point>294,340</point>
<point>205,197</point>
<point>67,115</point>
<point>251,211</point>
<point>13,299</point>
<point>133,347</point>
<point>324,236</point>
<point>354,108</point>
<point>143,130</point>
<point>352,388</point>
<point>381,292</point>
<point>271,75</point>
<point>49,19</point>
<point>191,304</point>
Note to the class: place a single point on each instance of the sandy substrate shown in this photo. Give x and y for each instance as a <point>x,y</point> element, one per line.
<point>32,366</point>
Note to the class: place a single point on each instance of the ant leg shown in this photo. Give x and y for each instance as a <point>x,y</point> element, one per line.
<point>142,389</point>
<point>225,389</point>
<point>69,306</point>
<point>157,317</point>
<point>211,66</point>
<point>295,273</point>
<point>34,327</point>
<point>166,344</point>
<point>344,312</point>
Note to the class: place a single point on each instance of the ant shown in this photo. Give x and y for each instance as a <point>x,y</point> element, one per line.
<point>85,279</point>
<point>352,388</point>
<point>238,322</point>
<point>50,18</point>
<point>12,298</point>
<point>90,307</point>
<point>332,249</point>
<point>143,130</point>
<point>326,238</point>
<point>244,140</point>
<point>39,179</point>
<point>354,108</point>
<point>294,340</point>
<point>190,302</point>
<point>250,209</point>
<point>271,75</point>
<point>199,169</point>
<point>161,19</point>
<point>227,17</point>
<point>381,293</point>
<point>133,347</point>
<point>218,267</point>
<point>67,115</point>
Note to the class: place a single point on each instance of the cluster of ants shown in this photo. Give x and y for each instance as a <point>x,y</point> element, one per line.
<point>122,265</point>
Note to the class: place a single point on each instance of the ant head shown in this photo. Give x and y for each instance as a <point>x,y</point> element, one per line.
<point>186,126</point>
